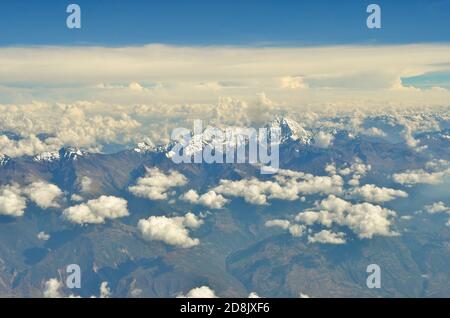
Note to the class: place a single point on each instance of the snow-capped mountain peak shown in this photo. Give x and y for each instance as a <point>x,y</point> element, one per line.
<point>4,159</point>
<point>48,156</point>
<point>143,147</point>
<point>71,153</point>
<point>291,130</point>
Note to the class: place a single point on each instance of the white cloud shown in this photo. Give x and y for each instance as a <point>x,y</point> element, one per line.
<point>97,211</point>
<point>136,292</point>
<point>91,125</point>
<point>199,292</point>
<point>364,219</point>
<point>44,194</point>
<point>293,82</point>
<point>327,237</point>
<point>136,87</point>
<point>155,184</point>
<point>11,201</point>
<point>43,236</point>
<point>434,173</point>
<point>356,171</point>
<point>412,177</point>
<point>53,286</point>
<point>284,224</point>
<point>334,71</point>
<point>29,145</point>
<point>210,199</point>
<point>295,230</point>
<point>76,198</point>
<point>375,132</point>
<point>287,186</point>
<point>172,231</point>
<point>52,289</point>
<point>86,184</point>
<point>373,193</point>
<point>253,295</point>
<point>323,139</point>
<point>437,207</point>
<point>81,124</point>
<point>105,291</point>
<point>301,295</point>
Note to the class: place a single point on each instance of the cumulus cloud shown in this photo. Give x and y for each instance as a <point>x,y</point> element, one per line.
<point>364,219</point>
<point>295,230</point>
<point>105,291</point>
<point>13,198</point>
<point>355,171</point>
<point>210,199</point>
<point>286,186</point>
<point>52,289</point>
<point>42,127</point>
<point>199,292</point>
<point>76,197</point>
<point>97,211</point>
<point>155,184</point>
<point>293,82</point>
<point>284,224</point>
<point>173,231</point>
<point>253,295</point>
<point>43,236</point>
<point>327,237</point>
<point>374,132</point>
<point>409,138</point>
<point>44,194</point>
<point>82,124</point>
<point>11,201</point>
<point>86,184</point>
<point>437,207</point>
<point>301,295</point>
<point>373,193</point>
<point>323,139</point>
<point>421,176</point>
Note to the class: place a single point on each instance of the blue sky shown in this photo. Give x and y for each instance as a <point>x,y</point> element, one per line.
<point>296,51</point>
<point>231,22</point>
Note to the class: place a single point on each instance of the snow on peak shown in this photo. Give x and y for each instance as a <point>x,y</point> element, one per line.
<point>231,138</point>
<point>144,146</point>
<point>48,156</point>
<point>290,129</point>
<point>3,159</point>
<point>71,153</point>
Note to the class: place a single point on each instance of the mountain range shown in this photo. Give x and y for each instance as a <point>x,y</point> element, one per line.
<point>237,253</point>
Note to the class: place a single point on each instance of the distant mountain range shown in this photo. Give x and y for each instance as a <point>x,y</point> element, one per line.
<point>237,253</point>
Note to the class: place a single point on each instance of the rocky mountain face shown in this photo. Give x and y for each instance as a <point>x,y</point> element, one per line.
<point>238,254</point>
